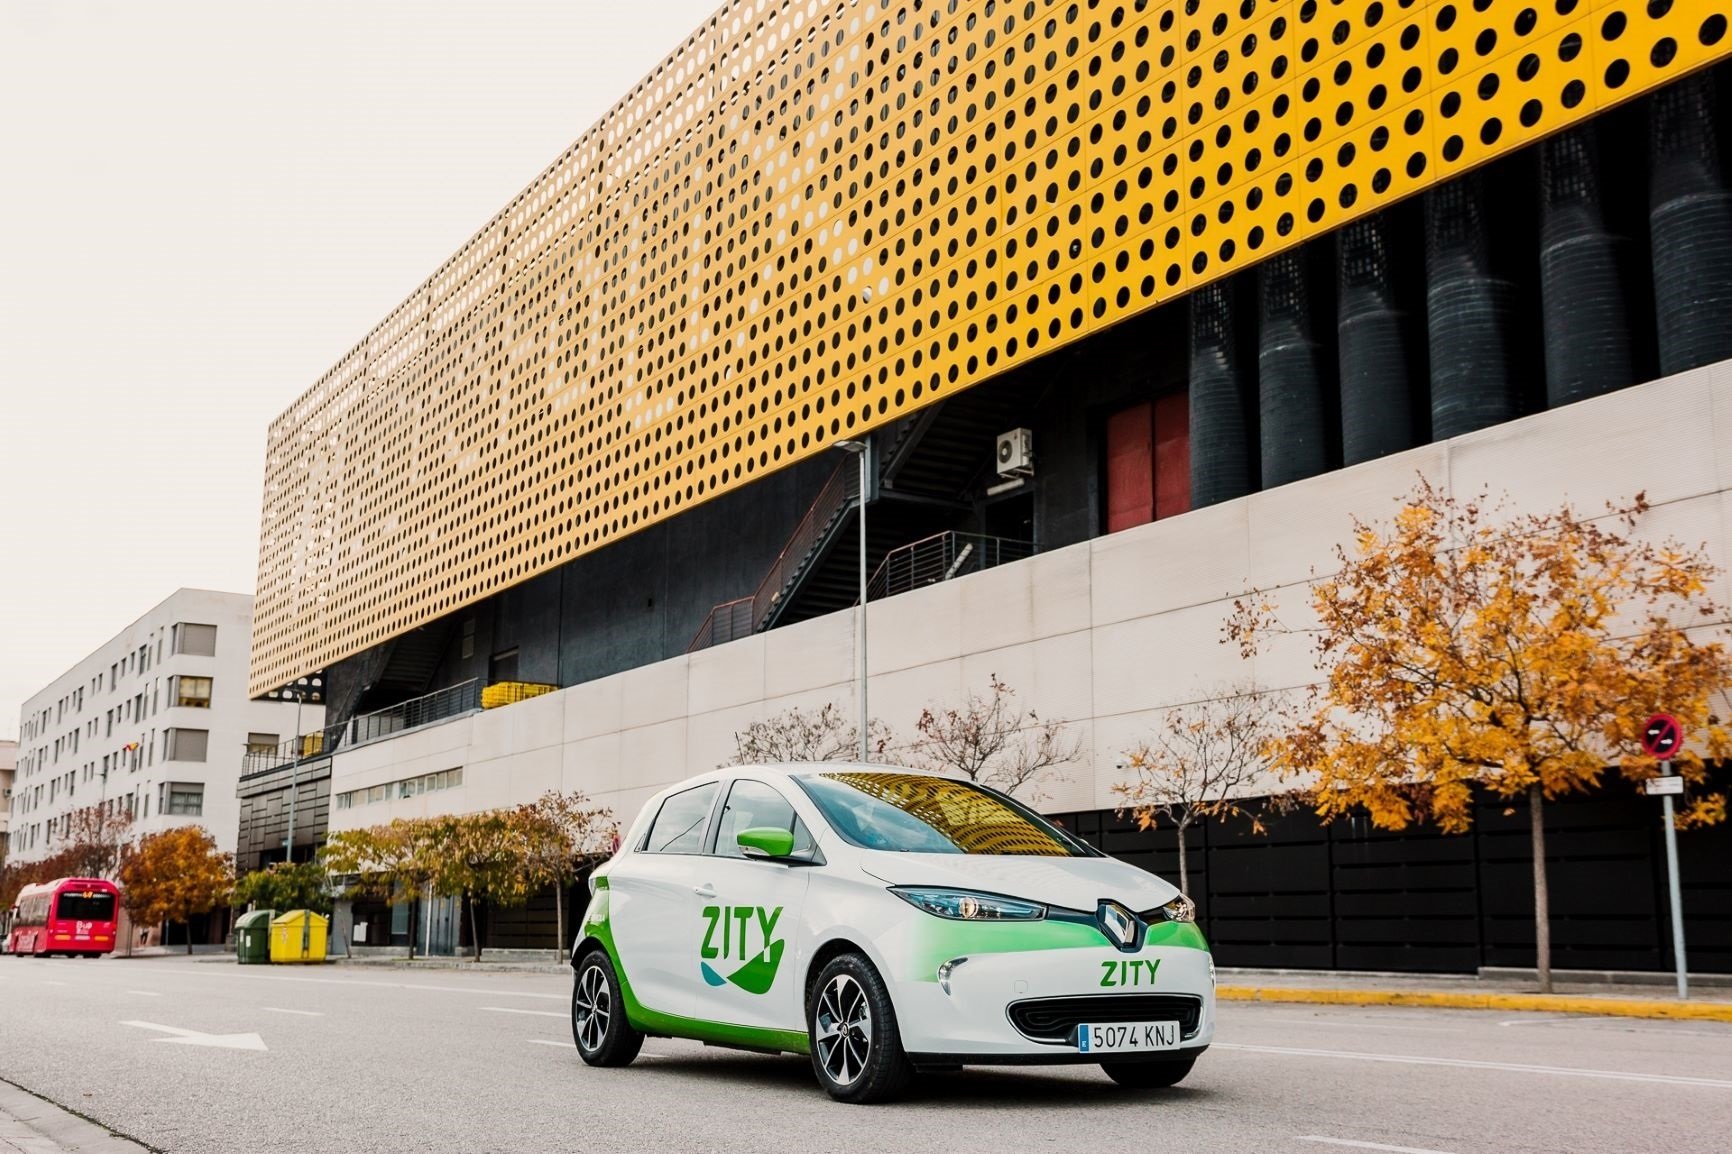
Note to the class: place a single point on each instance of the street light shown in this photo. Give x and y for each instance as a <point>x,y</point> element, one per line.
<point>862,450</point>
<point>302,690</point>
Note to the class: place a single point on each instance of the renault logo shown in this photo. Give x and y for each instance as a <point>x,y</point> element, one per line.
<point>1119,924</point>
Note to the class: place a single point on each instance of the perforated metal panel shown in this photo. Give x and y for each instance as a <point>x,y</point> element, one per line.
<point>815,217</point>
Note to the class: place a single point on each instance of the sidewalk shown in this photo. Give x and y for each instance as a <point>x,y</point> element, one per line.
<point>1600,994</point>
<point>29,1125</point>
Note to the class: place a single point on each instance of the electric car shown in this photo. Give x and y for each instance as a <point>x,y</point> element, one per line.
<point>883,921</point>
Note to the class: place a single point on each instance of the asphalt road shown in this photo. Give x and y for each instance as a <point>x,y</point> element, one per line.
<point>360,1060</point>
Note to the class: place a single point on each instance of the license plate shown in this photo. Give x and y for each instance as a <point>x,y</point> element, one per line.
<point>1127,1037</point>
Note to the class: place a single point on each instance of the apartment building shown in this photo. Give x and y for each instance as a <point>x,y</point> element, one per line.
<point>154,723</point>
<point>8,766</point>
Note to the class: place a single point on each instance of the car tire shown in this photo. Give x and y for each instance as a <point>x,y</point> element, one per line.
<point>1148,1075</point>
<point>856,1047</point>
<point>598,1022</point>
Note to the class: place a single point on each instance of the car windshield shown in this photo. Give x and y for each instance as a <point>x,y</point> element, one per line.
<point>915,813</point>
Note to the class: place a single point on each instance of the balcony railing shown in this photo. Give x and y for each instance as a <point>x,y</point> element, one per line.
<point>412,714</point>
<point>939,558</point>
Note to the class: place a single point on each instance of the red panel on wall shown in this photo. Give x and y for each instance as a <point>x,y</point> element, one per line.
<point>1172,454</point>
<point>1130,468</point>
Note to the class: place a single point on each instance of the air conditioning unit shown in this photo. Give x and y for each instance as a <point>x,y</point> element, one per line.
<point>1016,453</point>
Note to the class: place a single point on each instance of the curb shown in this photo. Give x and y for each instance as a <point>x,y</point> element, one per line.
<point>1524,1003</point>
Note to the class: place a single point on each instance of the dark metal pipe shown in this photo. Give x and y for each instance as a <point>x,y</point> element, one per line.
<point>1220,436</point>
<point>1289,391</point>
<point>1690,221</point>
<point>1585,322</point>
<point>1376,412</point>
<point>1468,310</point>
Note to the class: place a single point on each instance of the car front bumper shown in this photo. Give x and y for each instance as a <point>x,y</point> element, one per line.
<point>1023,1006</point>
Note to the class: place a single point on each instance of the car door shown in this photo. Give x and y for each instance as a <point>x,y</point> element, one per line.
<point>749,959</point>
<point>653,907</point>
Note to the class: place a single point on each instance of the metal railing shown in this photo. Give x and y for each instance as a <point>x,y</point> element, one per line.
<point>839,493</point>
<point>417,711</point>
<point>939,558</point>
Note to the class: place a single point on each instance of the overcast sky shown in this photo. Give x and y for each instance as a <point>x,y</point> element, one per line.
<point>206,204</point>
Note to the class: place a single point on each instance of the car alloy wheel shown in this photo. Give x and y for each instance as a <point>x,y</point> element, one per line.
<point>599,1027</point>
<point>844,1034</point>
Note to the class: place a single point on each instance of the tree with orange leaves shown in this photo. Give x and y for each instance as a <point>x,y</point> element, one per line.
<point>1463,646</point>
<point>174,875</point>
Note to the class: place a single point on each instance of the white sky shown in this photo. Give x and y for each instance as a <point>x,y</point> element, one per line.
<point>206,204</point>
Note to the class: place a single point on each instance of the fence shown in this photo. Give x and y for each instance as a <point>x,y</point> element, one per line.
<point>417,711</point>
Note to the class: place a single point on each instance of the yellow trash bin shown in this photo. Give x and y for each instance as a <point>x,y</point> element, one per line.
<point>299,936</point>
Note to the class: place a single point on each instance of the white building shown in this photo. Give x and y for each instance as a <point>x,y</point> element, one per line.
<point>154,724</point>
<point>8,765</point>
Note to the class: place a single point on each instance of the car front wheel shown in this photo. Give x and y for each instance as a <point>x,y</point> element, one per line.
<point>598,1023</point>
<point>1148,1075</point>
<point>856,1048</point>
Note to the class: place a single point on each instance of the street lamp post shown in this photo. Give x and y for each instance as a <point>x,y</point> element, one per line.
<point>303,690</point>
<point>862,451</point>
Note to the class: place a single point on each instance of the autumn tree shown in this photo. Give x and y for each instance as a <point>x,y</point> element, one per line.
<point>562,835</point>
<point>797,735</point>
<point>97,835</point>
<point>14,876</point>
<point>393,862</point>
<point>1198,764</point>
<point>174,875</point>
<point>990,740</point>
<point>1463,647</point>
<point>283,886</point>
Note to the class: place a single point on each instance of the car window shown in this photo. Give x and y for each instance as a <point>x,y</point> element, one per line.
<point>679,827</point>
<point>755,805</point>
<point>915,813</point>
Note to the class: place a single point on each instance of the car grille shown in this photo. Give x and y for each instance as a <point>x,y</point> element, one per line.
<point>1056,1019</point>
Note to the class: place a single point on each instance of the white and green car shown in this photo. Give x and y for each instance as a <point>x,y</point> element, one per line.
<point>884,921</point>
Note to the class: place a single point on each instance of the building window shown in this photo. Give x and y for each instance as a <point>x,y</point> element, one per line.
<point>189,692</point>
<point>185,744</point>
<point>185,799</point>
<point>262,742</point>
<point>194,640</point>
<point>468,647</point>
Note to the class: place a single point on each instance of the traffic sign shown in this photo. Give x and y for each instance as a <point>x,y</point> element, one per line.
<point>1662,735</point>
<point>1663,787</point>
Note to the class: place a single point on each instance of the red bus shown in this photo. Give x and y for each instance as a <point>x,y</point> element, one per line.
<point>72,916</point>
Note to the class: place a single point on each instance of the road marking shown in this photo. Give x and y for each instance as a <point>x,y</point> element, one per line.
<point>145,993</point>
<point>1554,1021</point>
<point>533,1013</point>
<point>1470,1064</point>
<point>302,1013</point>
<point>1355,1024</point>
<point>573,1046</point>
<point>379,985</point>
<point>1369,1145</point>
<point>53,983</point>
<point>196,1038</point>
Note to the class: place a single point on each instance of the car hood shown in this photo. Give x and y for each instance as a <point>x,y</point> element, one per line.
<point>1078,883</point>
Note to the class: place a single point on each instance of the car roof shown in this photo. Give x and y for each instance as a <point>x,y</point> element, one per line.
<point>791,768</point>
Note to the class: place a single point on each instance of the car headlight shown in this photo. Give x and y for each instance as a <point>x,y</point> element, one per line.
<point>1180,909</point>
<point>968,906</point>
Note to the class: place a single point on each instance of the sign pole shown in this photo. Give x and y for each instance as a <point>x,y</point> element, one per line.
<point>1673,887</point>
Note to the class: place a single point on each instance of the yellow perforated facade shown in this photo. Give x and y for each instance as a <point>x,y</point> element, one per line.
<point>819,215</point>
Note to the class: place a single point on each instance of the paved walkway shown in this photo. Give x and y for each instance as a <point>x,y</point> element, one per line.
<point>28,1125</point>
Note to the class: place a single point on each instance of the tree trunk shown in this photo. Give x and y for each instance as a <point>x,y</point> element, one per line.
<point>189,935</point>
<point>474,935</point>
<point>414,917</point>
<point>1542,901</point>
<point>1184,865</point>
<point>559,915</point>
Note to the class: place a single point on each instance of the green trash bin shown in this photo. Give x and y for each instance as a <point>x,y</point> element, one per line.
<point>253,938</point>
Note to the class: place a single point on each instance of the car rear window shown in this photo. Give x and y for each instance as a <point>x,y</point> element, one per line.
<point>914,813</point>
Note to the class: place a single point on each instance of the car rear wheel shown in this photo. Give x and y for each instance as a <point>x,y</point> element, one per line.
<point>1148,1075</point>
<point>598,1023</point>
<point>856,1048</point>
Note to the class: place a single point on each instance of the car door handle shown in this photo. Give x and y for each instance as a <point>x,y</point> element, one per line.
<point>705,891</point>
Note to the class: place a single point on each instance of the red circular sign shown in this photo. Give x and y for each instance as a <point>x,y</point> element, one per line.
<point>1662,735</point>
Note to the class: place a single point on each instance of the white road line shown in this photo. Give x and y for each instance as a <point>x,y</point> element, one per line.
<point>1353,1024</point>
<point>485,993</point>
<point>302,1013</point>
<point>534,1013</point>
<point>145,993</point>
<point>1368,1145</point>
<point>1560,1018</point>
<point>1470,1064</point>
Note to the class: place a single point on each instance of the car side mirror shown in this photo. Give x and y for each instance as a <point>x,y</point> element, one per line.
<point>766,843</point>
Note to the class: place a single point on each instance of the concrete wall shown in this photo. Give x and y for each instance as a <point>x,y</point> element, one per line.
<point>1105,635</point>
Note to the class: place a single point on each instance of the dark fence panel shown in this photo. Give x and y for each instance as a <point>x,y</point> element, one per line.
<point>1348,896</point>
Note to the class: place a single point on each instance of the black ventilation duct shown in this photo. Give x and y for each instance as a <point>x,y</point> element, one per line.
<point>1690,218</point>
<point>1289,393</point>
<point>1220,440</point>
<point>1586,325</point>
<point>1376,412</point>
<point>1468,312</point>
